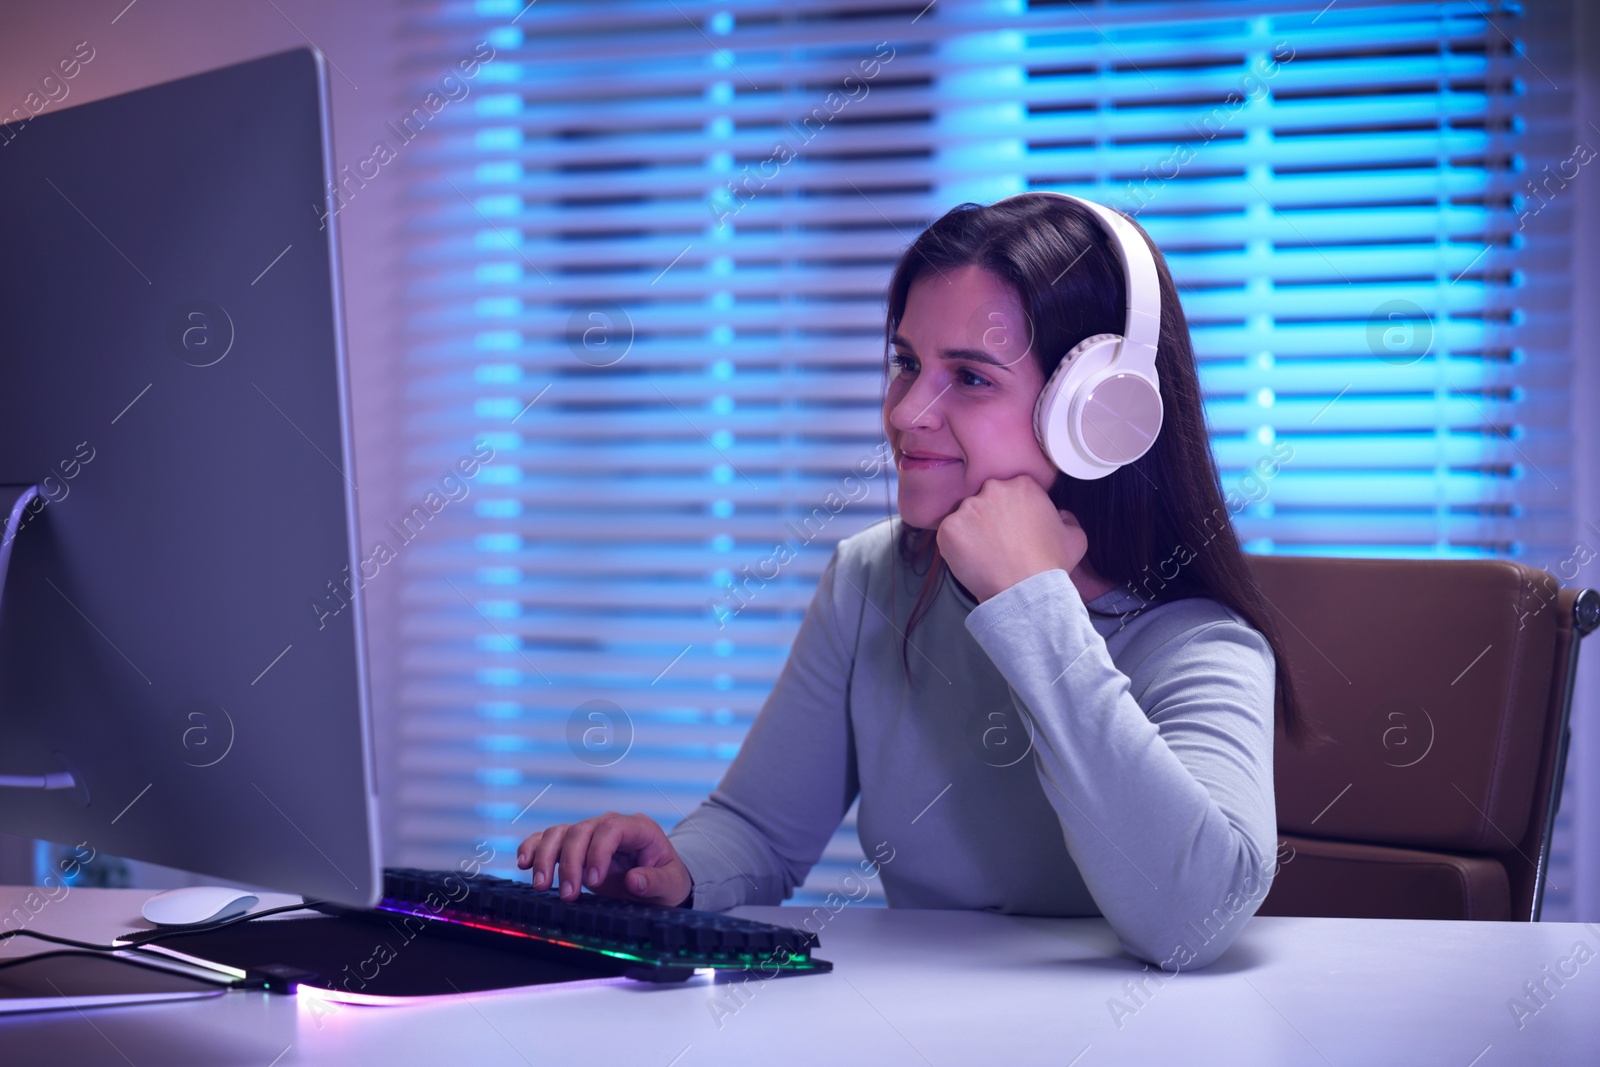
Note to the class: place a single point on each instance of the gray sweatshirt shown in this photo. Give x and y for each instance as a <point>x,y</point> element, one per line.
<point>1041,760</point>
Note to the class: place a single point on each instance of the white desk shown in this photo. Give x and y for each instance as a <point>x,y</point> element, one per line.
<point>915,988</point>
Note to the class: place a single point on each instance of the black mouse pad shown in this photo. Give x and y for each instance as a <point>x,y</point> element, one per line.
<point>380,958</point>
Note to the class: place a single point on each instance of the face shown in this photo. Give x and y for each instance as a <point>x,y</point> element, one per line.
<point>963,382</point>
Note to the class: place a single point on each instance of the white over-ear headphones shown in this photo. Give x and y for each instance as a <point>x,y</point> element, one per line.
<point>1101,408</point>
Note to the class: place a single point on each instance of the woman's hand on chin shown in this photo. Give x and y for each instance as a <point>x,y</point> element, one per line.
<point>1010,530</point>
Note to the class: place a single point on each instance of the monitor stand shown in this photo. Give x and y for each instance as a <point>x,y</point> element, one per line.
<point>16,501</point>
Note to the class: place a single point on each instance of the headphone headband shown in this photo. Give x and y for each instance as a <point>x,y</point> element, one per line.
<point>1142,327</point>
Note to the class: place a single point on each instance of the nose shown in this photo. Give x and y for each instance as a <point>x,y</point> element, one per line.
<point>918,407</point>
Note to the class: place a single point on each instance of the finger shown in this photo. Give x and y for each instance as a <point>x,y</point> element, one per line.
<point>1015,483</point>
<point>544,856</point>
<point>525,850</point>
<point>643,843</point>
<point>603,847</point>
<point>659,885</point>
<point>654,848</point>
<point>575,858</point>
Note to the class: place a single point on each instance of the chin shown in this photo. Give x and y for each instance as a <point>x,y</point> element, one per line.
<point>923,518</point>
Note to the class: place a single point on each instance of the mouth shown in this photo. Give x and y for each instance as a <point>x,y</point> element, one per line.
<point>910,460</point>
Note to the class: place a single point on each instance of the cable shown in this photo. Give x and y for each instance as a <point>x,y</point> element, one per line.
<point>157,935</point>
<point>53,939</point>
<point>205,928</point>
<point>87,948</point>
<point>130,961</point>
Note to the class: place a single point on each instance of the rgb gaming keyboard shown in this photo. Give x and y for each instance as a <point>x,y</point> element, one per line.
<point>643,941</point>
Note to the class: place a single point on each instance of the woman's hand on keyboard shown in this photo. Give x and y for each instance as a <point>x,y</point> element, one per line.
<point>625,856</point>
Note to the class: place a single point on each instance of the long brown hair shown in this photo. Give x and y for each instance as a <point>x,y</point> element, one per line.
<point>1139,519</point>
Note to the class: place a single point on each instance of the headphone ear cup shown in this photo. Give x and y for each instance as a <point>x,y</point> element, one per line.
<point>1118,417</point>
<point>1051,412</point>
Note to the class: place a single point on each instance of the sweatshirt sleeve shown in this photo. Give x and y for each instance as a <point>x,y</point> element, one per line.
<point>780,801</point>
<point>1163,781</point>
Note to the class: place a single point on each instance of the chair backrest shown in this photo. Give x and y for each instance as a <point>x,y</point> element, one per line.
<point>1444,687</point>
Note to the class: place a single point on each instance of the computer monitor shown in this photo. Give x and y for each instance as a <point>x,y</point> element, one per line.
<point>180,628</point>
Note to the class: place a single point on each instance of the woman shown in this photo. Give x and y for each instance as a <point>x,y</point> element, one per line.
<point>1080,721</point>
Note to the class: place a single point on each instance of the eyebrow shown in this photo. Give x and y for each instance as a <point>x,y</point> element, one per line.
<point>975,355</point>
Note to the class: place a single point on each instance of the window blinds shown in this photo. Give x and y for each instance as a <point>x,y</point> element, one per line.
<point>648,252</point>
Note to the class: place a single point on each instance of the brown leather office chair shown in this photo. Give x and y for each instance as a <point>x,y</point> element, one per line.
<point>1445,688</point>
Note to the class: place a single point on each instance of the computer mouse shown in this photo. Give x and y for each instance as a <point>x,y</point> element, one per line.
<point>196,904</point>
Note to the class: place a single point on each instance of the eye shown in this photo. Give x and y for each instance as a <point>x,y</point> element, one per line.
<point>975,379</point>
<point>899,363</point>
